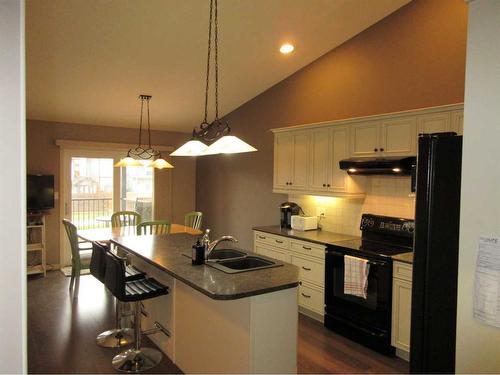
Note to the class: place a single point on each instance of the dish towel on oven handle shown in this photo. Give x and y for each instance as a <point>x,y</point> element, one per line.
<point>356,276</point>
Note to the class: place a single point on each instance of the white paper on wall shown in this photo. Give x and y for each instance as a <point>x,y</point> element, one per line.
<point>487,282</point>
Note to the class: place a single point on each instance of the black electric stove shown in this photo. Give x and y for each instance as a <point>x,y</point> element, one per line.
<point>366,320</point>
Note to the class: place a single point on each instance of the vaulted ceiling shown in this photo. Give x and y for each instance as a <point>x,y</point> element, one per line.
<point>88,60</point>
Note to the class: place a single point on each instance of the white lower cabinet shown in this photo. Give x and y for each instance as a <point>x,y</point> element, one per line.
<point>310,270</point>
<point>311,297</point>
<point>271,252</point>
<point>401,308</point>
<point>308,257</point>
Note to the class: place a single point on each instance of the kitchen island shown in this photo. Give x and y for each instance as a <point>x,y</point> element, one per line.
<point>218,322</point>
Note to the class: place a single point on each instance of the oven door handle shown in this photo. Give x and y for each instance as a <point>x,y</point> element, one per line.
<point>371,262</point>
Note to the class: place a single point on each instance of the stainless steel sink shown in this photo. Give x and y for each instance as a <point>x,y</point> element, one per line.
<point>247,263</point>
<point>221,254</point>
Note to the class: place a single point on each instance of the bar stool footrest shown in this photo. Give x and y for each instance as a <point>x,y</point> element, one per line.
<point>116,338</point>
<point>133,361</point>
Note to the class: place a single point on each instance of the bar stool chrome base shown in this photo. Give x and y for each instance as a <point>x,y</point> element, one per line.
<point>133,360</point>
<point>116,338</point>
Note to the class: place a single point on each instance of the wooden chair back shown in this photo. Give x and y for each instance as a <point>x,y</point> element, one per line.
<point>193,219</point>
<point>125,218</point>
<point>153,227</point>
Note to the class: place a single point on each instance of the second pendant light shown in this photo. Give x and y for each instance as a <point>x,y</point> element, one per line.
<point>217,131</point>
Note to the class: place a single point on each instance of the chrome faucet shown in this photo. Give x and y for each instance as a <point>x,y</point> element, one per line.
<point>210,245</point>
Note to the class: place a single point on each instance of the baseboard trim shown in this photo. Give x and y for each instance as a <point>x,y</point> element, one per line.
<point>403,354</point>
<point>311,314</point>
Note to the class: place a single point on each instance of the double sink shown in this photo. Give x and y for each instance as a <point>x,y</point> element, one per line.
<point>236,261</point>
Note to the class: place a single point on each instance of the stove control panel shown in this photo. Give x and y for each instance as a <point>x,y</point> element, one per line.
<point>387,225</point>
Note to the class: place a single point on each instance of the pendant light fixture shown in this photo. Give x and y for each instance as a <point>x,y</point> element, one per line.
<point>217,131</point>
<point>144,155</point>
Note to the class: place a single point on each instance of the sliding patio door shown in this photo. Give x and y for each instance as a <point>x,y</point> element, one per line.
<point>92,189</point>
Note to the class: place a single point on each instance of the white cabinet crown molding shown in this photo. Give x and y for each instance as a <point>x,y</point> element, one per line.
<point>378,117</point>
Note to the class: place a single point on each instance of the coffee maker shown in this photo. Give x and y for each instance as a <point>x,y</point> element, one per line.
<point>288,209</point>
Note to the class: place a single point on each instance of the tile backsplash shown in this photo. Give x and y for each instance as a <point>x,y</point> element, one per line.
<point>385,195</point>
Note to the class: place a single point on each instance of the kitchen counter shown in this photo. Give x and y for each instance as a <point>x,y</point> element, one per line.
<point>208,313</point>
<point>405,257</point>
<point>167,253</point>
<point>318,236</point>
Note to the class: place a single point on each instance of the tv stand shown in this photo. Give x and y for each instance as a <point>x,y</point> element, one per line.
<point>35,244</point>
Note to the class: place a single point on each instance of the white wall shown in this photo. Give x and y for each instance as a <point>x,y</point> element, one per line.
<point>478,345</point>
<point>12,189</point>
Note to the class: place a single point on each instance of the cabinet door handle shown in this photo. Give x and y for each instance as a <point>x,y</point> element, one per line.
<point>278,241</point>
<point>291,183</point>
<point>262,237</point>
<point>324,185</point>
<point>381,149</point>
<point>306,248</point>
<point>305,268</point>
<point>305,295</point>
<point>375,149</point>
<point>328,185</point>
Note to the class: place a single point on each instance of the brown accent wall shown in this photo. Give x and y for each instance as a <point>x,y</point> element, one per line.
<point>43,158</point>
<point>413,58</point>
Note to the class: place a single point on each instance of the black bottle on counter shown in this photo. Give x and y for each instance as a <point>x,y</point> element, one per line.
<point>198,254</point>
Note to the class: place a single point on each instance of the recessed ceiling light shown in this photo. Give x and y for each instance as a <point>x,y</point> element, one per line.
<point>286,48</point>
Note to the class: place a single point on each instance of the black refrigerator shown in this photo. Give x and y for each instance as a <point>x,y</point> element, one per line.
<point>435,264</point>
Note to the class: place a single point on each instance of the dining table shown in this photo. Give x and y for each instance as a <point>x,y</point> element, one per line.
<point>106,234</point>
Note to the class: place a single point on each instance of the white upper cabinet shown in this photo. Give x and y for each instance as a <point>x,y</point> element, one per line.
<point>306,158</point>
<point>319,160</point>
<point>339,149</point>
<point>365,139</point>
<point>398,137</point>
<point>391,137</point>
<point>434,123</point>
<point>283,148</point>
<point>291,160</point>
<point>300,159</point>
<point>457,122</point>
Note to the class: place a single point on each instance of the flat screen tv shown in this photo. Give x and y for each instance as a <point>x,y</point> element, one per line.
<point>40,192</point>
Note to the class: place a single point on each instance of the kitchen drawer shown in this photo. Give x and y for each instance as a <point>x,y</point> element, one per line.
<point>311,270</point>
<point>271,251</point>
<point>273,240</point>
<point>308,248</point>
<point>311,298</point>
<point>402,271</point>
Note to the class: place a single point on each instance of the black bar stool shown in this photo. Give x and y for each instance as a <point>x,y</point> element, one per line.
<point>136,359</point>
<point>117,337</point>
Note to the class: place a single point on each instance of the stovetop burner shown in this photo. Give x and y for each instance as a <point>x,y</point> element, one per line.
<point>372,247</point>
<point>382,236</point>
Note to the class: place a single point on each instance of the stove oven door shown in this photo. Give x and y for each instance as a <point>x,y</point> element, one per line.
<point>372,314</point>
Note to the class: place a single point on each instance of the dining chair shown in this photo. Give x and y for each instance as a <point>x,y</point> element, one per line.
<point>153,227</point>
<point>81,252</point>
<point>193,219</point>
<point>125,218</point>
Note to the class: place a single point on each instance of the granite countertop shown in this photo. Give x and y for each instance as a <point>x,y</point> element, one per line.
<point>404,257</point>
<point>167,253</point>
<point>323,238</point>
<point>318,236</point>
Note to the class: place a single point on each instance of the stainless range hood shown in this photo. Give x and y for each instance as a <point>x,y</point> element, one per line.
<point>394,165</point>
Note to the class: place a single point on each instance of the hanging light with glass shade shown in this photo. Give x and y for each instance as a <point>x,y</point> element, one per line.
<point>218,132</point>
<point>144,155</point>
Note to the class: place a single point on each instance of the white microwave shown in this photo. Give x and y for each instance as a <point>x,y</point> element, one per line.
<point>304,222</point>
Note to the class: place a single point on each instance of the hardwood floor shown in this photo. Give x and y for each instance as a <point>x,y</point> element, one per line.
<point>323,351</point>
<point>62,331</point>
